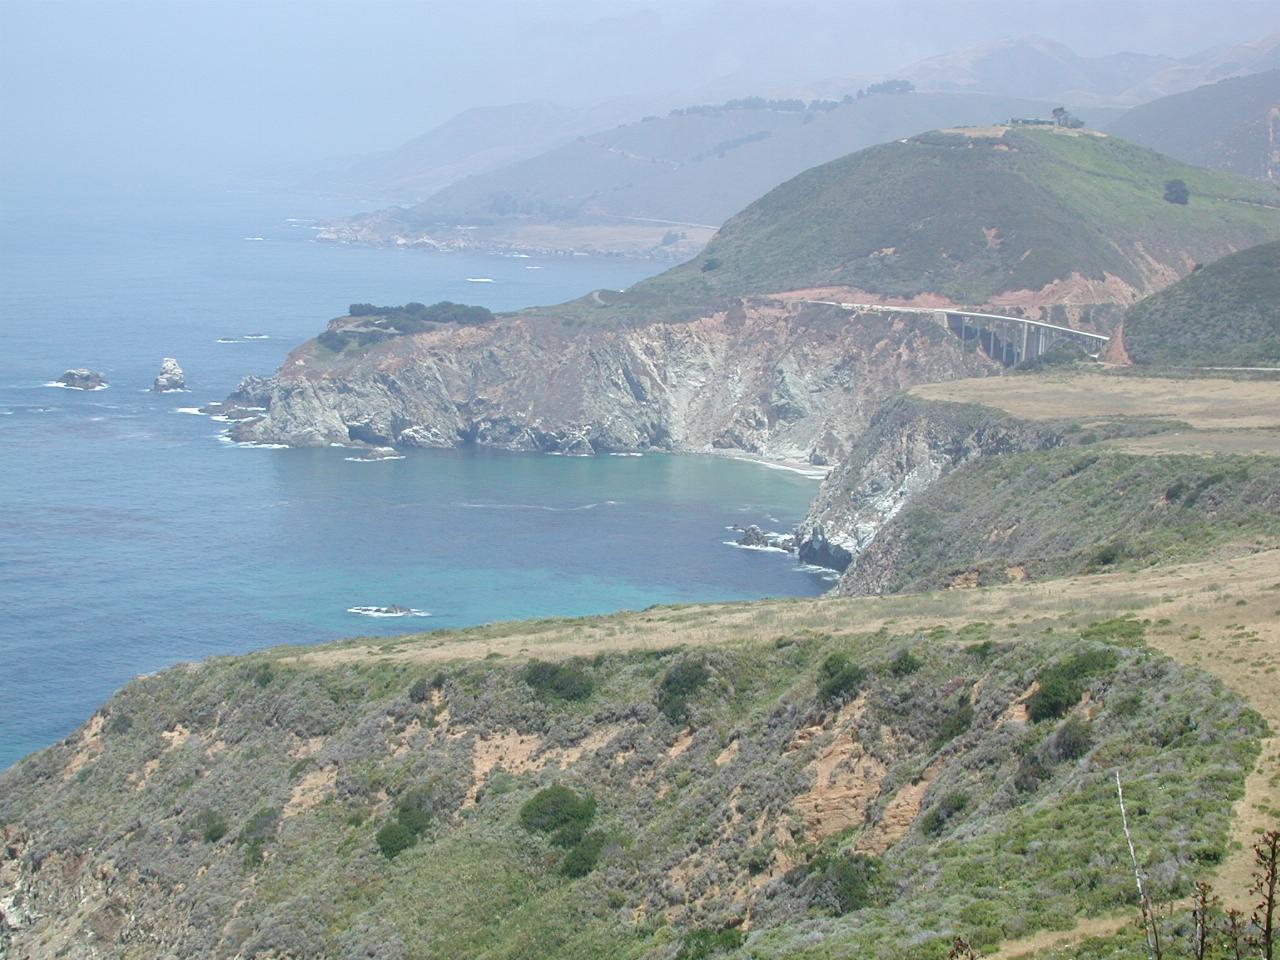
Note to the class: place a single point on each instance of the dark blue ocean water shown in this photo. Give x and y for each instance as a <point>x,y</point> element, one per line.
<point>131,538</point>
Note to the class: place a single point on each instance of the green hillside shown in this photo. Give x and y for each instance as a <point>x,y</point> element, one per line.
<point>1230,125</point>
<point>825,793</point>
<point>1224,315</point>
<point>969,215</point>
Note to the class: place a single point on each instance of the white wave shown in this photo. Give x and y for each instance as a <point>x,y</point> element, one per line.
<point>747,546</point>
<point>372,459</point>
<point>253,238</point>
<point>826,573</point>
<point>257,336</point>
<point>67,386</point>
<point>520,256</point>
<point>228,340</point>
<point>250,445</point>
<point>481,280</point>
<point>533,268</point>
<point>221,418</point>
<point>626,454</point>
<point>299,220</point>
<point>387,612</point>
<point>538,506</point>
<point>194,411</point>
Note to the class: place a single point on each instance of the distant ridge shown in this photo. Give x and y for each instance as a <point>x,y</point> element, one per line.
<point>1231,125</point>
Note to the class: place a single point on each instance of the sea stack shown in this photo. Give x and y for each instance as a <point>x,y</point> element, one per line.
<point>170,377</point>
<point>82,379</point>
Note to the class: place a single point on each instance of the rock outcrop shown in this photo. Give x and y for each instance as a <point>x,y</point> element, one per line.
<point>170,377</point>
<point>780,380</point>
<point>82,379</point>
<point>909,445</point>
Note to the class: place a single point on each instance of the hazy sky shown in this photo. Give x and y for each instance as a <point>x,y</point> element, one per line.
<point>177,87</point>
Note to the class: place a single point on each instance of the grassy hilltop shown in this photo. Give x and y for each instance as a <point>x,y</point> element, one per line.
<point>970,215</point>
<point>1227,314</point>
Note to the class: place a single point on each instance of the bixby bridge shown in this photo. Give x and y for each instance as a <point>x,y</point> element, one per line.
<point>1005,339</point>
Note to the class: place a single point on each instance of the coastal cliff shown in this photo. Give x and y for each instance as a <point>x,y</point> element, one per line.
<point>908,446</point>
<point>785,381</point>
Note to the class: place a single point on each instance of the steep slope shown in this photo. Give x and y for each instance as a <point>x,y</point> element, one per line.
<point>1226,315</point>
<point>972,482</point>
<point>983,216</point>
<point>694,166</point>
<point>1232,125</point>
<point>790,381</point>
<point>728,352</point>
<point>814,790</point>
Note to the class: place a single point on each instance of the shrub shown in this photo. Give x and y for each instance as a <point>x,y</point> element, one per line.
<point>418,692</point>
<point>956,723</point>
<point>1175,191</point>
<point>935,821</point>
<point>558,811</point>
<point>211,825</point>
<point>1061,686</point>
<point>679,684</point>
<point>257,833</point>
<point>1073,740</point>
<point>702,944</point>
<point>1058,693</point>
<point>1116,630</point>
<point>120,723</point>
<point>417,808</point>
<point>838,677</point>
<point>564,681</point>
<point>582,859</point>
<point>904,664</point>
<point>848,882</point>
<point>394,838</point>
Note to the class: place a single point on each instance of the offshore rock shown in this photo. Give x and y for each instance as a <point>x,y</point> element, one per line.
<point>82,379</point>
<point>170,377</point>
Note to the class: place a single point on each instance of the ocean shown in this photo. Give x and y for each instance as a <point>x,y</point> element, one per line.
<point>133,537</point>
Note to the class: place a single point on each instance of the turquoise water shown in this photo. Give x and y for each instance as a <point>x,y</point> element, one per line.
<point>132,538</point>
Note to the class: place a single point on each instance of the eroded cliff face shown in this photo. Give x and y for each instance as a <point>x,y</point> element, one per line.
<point>789,381</point>
<point>909,445</point>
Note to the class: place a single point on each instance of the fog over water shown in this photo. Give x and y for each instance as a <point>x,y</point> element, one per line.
<point>132,91</point>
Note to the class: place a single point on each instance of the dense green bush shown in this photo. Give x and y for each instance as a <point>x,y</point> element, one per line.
<point>582,859</point>
<point>957,722</point>
<point>1073,739</point>
<point>394,838</point>
<point>565,681</point>
<point>839,677</point>
<point>936,820</point>
<point>558,811</point>
<point>446,311</point>
<point>847,882</point>
<point>418,691</point>
<point>257,833</point>
<point>904,664</point>
<point>680,683</point>
<point>703,944</point>
<point>1062,685</point>
<point>211,825</point>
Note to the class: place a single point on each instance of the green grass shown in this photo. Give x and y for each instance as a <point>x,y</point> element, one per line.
<point>1227,314</point>
<point>907,217</point>
<point>1068,511</point>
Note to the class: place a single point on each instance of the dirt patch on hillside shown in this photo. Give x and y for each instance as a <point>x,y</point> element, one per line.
<point>310,790</point>
<point>899,814</point>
